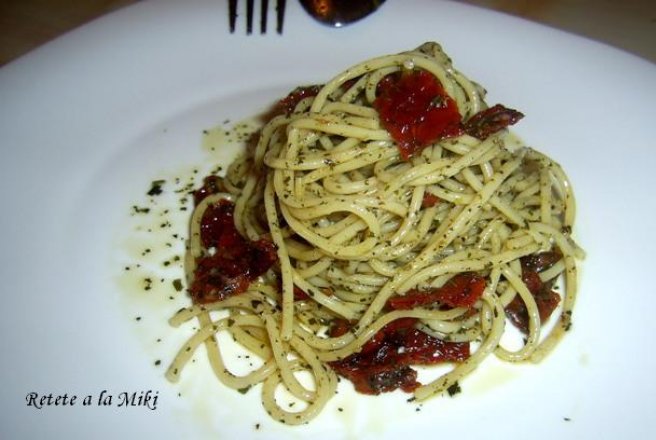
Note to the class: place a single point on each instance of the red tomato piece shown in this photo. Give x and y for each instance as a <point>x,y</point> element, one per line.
<point>289,102</point>
<point>429,200</point>
<point>300,294</point>
<point>491,120</point>
<point>235,263</point>
<point>546,299</point>
<point>416,111</point>
<point>462,290</point>
<point>384,363</point>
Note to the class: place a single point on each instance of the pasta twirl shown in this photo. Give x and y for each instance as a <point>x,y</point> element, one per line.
<point>381,226</point>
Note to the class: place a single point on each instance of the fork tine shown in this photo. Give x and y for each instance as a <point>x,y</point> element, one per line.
<point>249,16</point>
<point>232,13</point>
<point>250,12</point>
<point>280,15</point>
<point>264,9</point>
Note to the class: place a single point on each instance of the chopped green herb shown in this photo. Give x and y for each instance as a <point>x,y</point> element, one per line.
<point>454,389</point>
<point>139,210</point>
<point>244,390</point>
<point>156,187</point>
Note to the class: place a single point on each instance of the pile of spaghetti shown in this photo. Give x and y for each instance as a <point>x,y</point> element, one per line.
<point>385,220</point>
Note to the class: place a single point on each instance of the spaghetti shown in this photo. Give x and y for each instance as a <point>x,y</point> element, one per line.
<point>385,219</point>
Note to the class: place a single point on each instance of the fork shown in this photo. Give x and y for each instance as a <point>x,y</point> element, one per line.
<point>264,9</point>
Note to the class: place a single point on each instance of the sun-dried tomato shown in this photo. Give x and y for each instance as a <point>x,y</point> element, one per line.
<point>384,362</point>
<point>545,298</point>
<point>491,120</point>
<point>462,290</point>
<point>235,261</point>
<point>416,111</point>
<point>289,102</point>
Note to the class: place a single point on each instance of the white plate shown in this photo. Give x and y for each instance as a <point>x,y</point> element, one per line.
<point>88,121</point>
